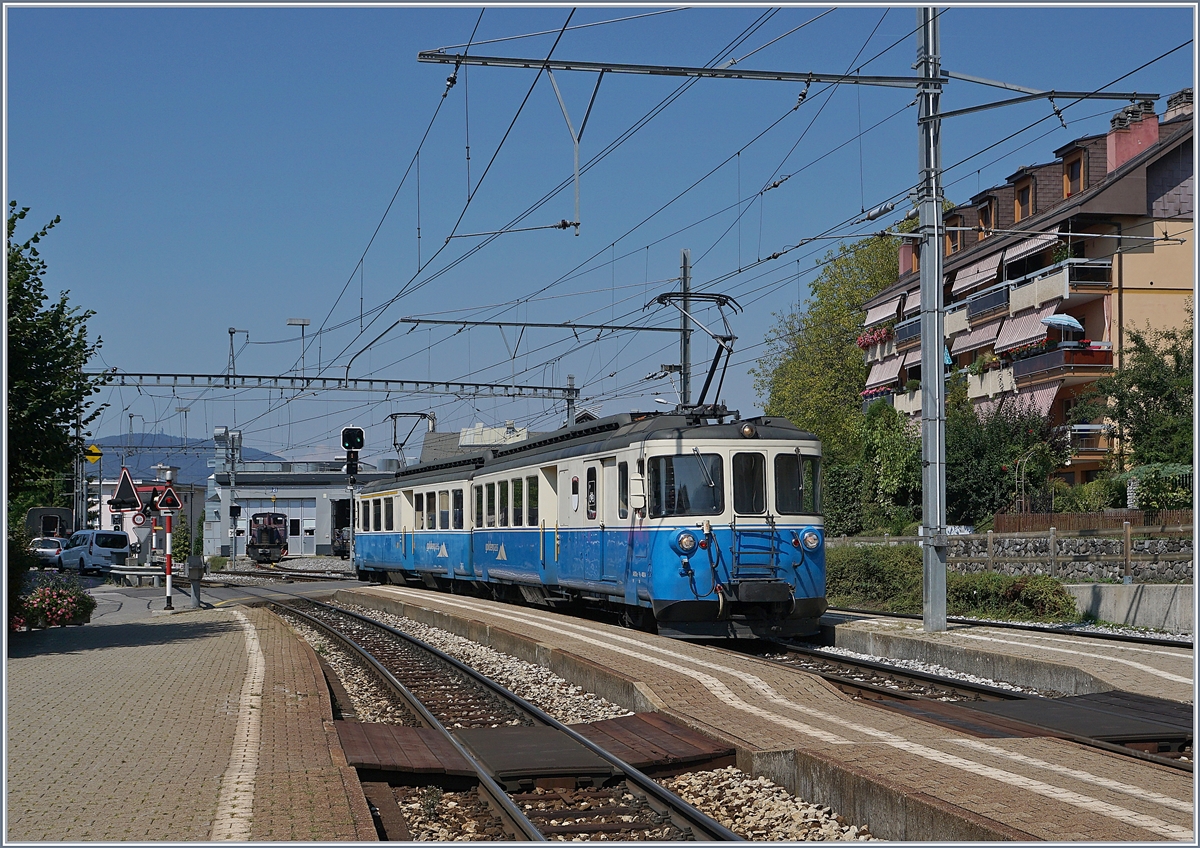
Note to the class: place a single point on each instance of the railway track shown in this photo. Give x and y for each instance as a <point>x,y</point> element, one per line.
<point>1055,629</point>
<point>1125,723</point>
<point>534,779</point>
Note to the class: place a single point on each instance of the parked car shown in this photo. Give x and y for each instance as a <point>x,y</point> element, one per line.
<point>95,550</point>
<point>48,550</point>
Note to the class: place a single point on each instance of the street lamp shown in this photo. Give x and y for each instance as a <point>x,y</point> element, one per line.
<point>301,323</point>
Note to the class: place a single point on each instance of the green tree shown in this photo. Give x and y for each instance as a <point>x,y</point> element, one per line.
<point>181,541</point>
<point>1149,399</point>
<point>47,349</point>
<point>198,539</point>
<point>891,462</point>
<point>812,371</point>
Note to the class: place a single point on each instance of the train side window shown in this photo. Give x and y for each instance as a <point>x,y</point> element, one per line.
<point>574,494</point>
<point>622,489</point>
<point>518,503</point>
<point>389,514</point>
<point>491,504</point>
<point>376,512</point>
<point>531,485</point>
<point>478,506</point>
<point>503,485</point>
<point>749,483</point>
<point>457,513</point>
<point>419,509</point>
<point>812,484</point>
<point>788,495</point>
<point>444,510</point>
<point>431,510</point>
<point>591,493</point>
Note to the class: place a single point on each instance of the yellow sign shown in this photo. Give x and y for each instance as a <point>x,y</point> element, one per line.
<point>92,453</point>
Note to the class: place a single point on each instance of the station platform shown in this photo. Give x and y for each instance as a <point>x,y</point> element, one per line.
<point>197,725</point>
<point>905,779</point>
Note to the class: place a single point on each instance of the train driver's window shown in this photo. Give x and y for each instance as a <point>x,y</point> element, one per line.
<point>531,487</point>
<point>389,514</point>
<point>478,506</point>
<point>503,485</point>
<point>811,466</point>
<point>518,503</point>
<point>419,509</point>
<point>591,493</point>
<point>444,510</point>
<point>797,484</point>
<point>622,489</point>
<point>430,510</point>
<point>457,513</point>
<point>491,504</point>
<point>749,483</point>
<point>376,513</point>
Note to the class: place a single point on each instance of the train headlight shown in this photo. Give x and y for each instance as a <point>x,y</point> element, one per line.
<point>748,430</point>
<point>810,540</point>
<point>686,541</point>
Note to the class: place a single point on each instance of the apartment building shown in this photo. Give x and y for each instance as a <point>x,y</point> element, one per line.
<point>1099,238</point>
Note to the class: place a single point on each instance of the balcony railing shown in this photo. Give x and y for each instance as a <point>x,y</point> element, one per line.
<point>1088,438</point>
<point>908,333</point>
<point>1063,358</point>
<point>989,302</point>
<point>990,383</point>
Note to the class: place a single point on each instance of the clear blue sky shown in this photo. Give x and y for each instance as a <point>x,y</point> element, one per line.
<point>227,167</point>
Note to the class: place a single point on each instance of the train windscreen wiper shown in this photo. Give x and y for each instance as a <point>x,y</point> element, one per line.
<point>704,469</point>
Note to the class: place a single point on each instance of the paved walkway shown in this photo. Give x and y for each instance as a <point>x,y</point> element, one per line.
<point>905,779</point>
<point>201,725</point>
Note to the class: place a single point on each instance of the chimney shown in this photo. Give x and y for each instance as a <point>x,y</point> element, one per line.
<point>906,257</point>
<point>1179,103</point>
<point>1132,130</point>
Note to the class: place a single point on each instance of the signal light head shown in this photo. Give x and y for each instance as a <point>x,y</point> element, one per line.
<point>352,438</point>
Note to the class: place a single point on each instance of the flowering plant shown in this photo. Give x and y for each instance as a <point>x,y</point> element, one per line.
<point>1028,349</point>
<point>57,601</point>
<point>879,335</point>
<point>878,391</point>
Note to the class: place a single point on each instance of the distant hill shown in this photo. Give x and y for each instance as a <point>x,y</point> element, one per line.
<point>142,451</point>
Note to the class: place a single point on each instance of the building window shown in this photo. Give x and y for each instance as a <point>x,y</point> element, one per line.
<point>954,238</point>
<point>1073,174</point>
<point>987,218</point>
<point>1023,202</point>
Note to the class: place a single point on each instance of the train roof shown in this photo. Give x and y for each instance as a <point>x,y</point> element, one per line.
<point>609,433</point>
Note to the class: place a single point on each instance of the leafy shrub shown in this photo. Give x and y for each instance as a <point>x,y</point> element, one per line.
<point>1095,496</point>
<point>888,579</point>
<point>1159,491</point>
<point>216,563</point>
<point>57,600</point>
<point>20,562</point>
<point>842,499</point>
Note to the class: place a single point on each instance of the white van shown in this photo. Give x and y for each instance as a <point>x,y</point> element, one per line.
<point>95,550</point>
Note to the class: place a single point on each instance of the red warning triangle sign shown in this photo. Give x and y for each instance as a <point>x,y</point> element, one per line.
<point>125,498</point>
<point>169,500</point>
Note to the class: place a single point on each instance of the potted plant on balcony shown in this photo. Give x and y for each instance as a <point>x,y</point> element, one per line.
<point>912,386</point>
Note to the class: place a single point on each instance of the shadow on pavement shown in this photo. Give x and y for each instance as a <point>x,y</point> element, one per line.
<point>77,639</point>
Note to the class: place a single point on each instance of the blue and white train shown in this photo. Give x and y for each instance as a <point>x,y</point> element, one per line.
<point>693,528</point>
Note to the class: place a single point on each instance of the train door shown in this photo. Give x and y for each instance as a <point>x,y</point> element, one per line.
<point>612,549</point>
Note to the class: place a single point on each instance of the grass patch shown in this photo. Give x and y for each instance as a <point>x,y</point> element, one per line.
<point>888,579</point>
<point>217,563</point>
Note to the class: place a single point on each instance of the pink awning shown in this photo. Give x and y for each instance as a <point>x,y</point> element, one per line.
<point>1029,247</point>
<point>913,357</point>
<point>1024,327</point>
<point>986,407</point>
<point>884,372</point>
<point>882,312</point>
<point>976,337</point>
<point>981,273</point>
<point>1037,399</point>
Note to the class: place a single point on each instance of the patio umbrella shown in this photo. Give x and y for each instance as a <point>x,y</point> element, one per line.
<point>1063,322</point>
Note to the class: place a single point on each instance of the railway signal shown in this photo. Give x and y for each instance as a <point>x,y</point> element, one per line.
<point>352,438</point>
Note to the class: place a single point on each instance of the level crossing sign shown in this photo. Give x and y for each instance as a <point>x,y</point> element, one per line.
<point>169,500</point>
<point>125,498</point>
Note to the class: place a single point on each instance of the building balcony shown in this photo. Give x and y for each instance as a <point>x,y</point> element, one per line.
<point>866,404</point>
<point>908,334</point>
<point>908,402</point>
<point>991,383</point>
<point>1088,440</point>
<point>987,303</point>
<point>1067,362</point>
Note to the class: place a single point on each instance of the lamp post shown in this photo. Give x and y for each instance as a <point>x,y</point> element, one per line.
<point>301,323</point>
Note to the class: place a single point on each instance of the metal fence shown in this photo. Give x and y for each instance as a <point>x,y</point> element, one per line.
<point>1074,522</point>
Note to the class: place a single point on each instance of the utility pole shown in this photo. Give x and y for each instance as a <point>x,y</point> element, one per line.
<point>685,337</point>
<point>933,386</point>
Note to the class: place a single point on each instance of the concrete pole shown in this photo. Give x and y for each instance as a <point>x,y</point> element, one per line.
<point>933,417</point>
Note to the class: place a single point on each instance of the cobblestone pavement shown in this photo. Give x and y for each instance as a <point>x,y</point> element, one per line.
<point>125,729</point>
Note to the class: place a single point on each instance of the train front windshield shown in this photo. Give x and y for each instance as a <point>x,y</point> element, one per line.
<point>691,484</point>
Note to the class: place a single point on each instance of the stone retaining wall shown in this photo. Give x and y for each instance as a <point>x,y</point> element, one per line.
<point>1170,559</point>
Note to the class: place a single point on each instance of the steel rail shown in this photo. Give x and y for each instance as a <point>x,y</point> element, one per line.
<point>1155,641</point>
<point>702,826</point>
<point>509,812</point>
